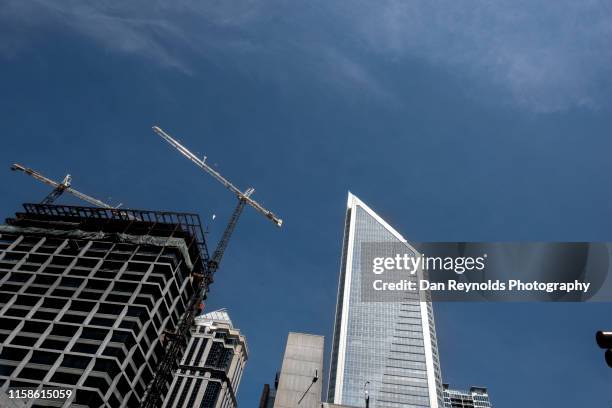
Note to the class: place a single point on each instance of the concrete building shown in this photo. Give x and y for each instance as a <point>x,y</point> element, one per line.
<point>299,382</point>
<point>391,346</point>
<point>7,402</point>
<point>210,371</point>
<point>476,397</point>
<point>85,295</point>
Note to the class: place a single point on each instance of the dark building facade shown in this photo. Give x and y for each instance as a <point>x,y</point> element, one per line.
<point>85,296</point>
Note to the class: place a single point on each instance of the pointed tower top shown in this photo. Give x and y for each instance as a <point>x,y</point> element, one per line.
<point>354,201</point>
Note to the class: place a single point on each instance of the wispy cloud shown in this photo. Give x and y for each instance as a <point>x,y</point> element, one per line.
<point>114,26</point>
<point>543,56</point>
<point>547,55</point>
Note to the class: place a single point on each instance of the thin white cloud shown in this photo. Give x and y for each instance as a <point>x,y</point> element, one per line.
<point>115,27</point>
<point>547,55</point>
<point>543,56</point>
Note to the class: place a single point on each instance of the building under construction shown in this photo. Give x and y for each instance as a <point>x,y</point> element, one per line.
<point>101,301</point>
<point>90,297</point>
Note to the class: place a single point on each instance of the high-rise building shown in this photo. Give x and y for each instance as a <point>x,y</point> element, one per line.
<point>299,381</point>
<point>476,397</point>
<point>268,394</point>
<point>210,371</point>
<point>85,296</point>
<point>388,349</point>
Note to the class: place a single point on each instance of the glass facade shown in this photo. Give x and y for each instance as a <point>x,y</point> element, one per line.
<point>390,346</point>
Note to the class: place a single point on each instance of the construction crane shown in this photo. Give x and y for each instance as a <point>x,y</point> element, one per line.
<point>215,260</point>
<point>177,340</point>
<point>202,164</point>
<point>59,188</point>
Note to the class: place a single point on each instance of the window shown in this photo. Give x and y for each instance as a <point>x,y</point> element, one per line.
<point>26,300</point>
<point>100,321</point>
<point>194,394</point>
<point>61,260</point>
<point>71,282</point>
<point>107,366</point>
<point>45,316</point>
<point>74,361</point>
<point>13,256</point>
<point>93,334</point>
<point>86,348</point>
<point>210,395</point>
<point>110,309</point>
<point>35,327</point>
<point>64,330</point>
<point>219,356</point>
<point>44,358</point>
<point>32,373</point>
<point>114,352</point>
<point>88,398</point>
<point>184,392</point>
<point>97,382</point>
<point>6,370</point>
<point>17,312</point>
<point>54,344</point>
<point>36,290</point>
<point>19,277</point>
<point>24,341</point>
<point>13,354</point>
<point>82,306</point>
<point>72,318</point>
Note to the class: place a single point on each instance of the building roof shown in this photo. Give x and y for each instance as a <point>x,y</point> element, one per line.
<point>220,315</point>
<point>120,221</point>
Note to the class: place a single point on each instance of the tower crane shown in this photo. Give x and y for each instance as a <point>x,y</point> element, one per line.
<point>202,164</point>
<point>59,188</point>
<point>177,339</point>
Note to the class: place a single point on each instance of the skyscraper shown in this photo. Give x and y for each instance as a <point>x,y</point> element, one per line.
<point>388,349</point>
<point>476,397</point>
<point>85,295</point>
<point>210,371</point>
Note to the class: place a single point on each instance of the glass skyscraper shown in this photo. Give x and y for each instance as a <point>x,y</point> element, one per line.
<point>388,348</point>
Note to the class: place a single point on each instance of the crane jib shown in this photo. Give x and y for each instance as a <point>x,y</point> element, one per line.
<point>202,164</point>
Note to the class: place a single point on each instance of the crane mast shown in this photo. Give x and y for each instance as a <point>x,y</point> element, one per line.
<point>214,262</point>
<point>177,339</point>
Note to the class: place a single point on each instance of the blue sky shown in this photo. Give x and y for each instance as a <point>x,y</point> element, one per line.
<point>455,121</point>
